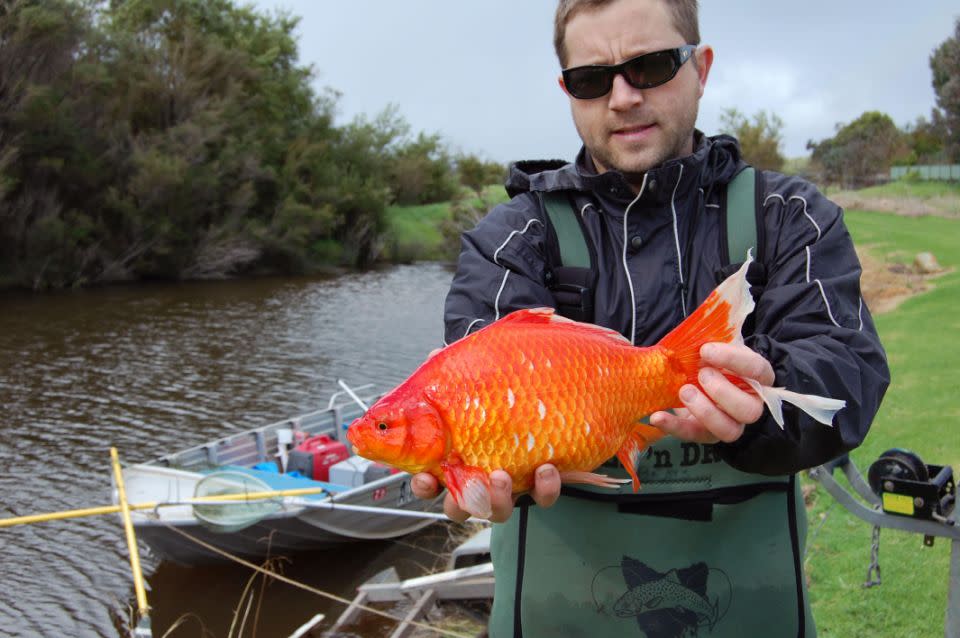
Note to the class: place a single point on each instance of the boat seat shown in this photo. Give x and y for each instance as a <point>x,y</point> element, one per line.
<point>278,481</point>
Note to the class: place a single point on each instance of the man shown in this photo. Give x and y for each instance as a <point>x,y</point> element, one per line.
<point>714,540</point>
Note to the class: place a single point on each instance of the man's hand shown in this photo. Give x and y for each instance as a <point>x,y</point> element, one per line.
<point>722,410</point>
<point>546,489</point>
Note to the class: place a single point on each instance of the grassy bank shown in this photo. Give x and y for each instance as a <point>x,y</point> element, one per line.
<point>905,197</point>
<point>920,413</point>
<point>416,232</point>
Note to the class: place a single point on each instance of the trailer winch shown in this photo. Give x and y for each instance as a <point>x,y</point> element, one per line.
<point>909,487</point>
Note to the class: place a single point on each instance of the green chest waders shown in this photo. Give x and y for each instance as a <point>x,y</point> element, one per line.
<point>702,550</point>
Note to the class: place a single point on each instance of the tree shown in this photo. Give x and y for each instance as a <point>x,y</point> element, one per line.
<point>945,64</point>
<point>180,139</point>
<point>421,171</point>
<point>476,173</point>
<point>925,140</point>
<point>759,140</point>
<point>860,151</point>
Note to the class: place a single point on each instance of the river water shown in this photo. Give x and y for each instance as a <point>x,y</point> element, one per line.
<point>155,368</point>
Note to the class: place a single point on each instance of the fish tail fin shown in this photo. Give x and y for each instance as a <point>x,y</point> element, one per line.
<point>819,408</point>
<point>718,319</point>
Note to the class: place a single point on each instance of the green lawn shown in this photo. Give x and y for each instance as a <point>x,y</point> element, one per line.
<point>920,412</point>
<point>913,189</point>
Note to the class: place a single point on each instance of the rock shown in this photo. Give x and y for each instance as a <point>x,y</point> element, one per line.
<point>926,263</point>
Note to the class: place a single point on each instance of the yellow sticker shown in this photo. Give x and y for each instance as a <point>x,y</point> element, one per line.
<point>898,503</point>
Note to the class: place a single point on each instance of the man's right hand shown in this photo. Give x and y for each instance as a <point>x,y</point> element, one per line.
<point>546,490</point>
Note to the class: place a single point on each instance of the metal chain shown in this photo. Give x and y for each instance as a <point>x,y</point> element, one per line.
<point>873,572</point>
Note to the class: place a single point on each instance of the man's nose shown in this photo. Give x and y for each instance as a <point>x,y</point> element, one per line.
<point>622,95</point>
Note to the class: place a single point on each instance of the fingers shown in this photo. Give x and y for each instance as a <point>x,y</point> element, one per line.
<point>424,485</point>
<point>501,500</point>
<point>740,405</point>
<point>682,425</point>
<point>709,415</point>
<point>546,490</point>
<point>501,496</point>
<point>452,510</point>
<point>739,359</point>
<point>546,485</point>
<point>717,413</point>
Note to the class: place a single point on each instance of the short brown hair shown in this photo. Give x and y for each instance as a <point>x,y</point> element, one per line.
<point>685,19</point>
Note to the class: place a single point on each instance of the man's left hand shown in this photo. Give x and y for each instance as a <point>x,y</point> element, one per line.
<point>721,411</point>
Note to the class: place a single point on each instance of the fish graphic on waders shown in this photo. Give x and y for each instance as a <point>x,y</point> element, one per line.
<point>672,604</point>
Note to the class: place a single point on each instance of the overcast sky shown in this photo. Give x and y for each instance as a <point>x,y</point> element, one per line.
<point>482,73</point>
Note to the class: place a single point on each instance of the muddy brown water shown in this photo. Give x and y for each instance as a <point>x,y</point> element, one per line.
<point>155,368</point>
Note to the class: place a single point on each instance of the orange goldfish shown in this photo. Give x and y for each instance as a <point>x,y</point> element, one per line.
<point>535,388</point>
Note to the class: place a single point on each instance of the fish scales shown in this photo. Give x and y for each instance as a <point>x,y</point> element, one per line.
<point>544,395</point>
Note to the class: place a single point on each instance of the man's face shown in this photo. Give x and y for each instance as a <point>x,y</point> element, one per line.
<point>633,130</point>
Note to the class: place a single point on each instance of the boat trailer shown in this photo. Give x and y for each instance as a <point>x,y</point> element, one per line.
<point>906,494</point>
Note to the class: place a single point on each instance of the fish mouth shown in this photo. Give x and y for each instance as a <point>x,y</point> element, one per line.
<point>352,435</point>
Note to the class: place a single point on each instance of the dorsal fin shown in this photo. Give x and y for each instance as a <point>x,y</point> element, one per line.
<point>549,315</point>
<point>529,315</point>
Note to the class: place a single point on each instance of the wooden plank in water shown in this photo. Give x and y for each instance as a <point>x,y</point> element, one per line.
<point>418,610</point>
<point>348,615</point>
<point>387,577</point>
<point>474,582</point>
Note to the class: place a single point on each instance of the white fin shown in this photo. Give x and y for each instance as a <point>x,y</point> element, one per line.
<point>821,409</point>
<point>549,315</point>
<point>476,499</point>
<point>589,478</point>
<point>735,290</point>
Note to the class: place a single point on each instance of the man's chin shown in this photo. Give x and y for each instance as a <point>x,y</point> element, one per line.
<point>637,165</point>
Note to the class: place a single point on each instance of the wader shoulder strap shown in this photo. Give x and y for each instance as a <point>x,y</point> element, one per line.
<point>563,216</point>
<point>574,273</point>
<point>741,216</point>
<point>743,229</point>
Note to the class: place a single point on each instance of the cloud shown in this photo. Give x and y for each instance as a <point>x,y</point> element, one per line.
<point>777,87</point>
<point>483,75</point>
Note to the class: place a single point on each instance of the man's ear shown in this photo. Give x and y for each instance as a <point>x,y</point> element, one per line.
<point>563,86</point>
<point>704,60</point>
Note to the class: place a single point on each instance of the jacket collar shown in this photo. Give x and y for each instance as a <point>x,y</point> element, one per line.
<point>715,160</point>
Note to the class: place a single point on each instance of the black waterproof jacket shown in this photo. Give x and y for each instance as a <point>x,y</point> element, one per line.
<point>660,254</point>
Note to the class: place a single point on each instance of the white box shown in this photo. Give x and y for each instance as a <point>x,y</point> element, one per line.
<point>348,472</point>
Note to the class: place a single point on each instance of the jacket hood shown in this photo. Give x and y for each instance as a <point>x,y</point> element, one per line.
<point>714,161</point>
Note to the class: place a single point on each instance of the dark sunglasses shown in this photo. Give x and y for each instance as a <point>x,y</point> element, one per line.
<point>642,72</point>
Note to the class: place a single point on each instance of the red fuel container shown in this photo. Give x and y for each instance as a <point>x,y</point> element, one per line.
<point>314,456</point>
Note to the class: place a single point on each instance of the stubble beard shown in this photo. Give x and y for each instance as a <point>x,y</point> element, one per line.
<point>677,142</point>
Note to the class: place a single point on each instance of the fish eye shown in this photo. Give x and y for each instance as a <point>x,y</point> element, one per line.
<point>382,426</point>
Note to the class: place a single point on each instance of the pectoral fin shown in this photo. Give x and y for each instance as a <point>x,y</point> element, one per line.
<point>469,485</point>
